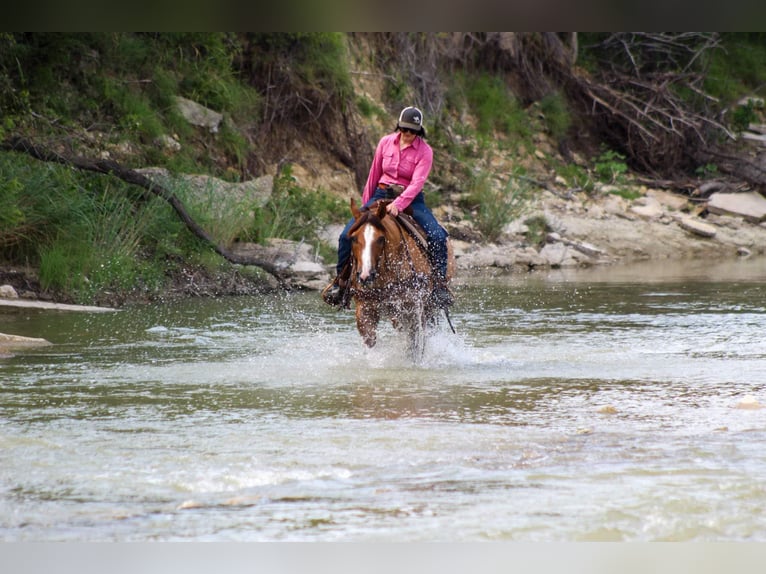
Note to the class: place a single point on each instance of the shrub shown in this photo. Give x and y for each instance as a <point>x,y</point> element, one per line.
<point>494,208</point>
<point>293,212</point>
<point>610,166</point>
<point>537,229</point>
<point>556,113</point>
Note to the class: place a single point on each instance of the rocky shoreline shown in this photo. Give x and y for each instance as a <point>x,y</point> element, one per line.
<point>584,231</point>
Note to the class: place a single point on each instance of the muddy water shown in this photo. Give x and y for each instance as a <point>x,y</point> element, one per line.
<point>612,404</point>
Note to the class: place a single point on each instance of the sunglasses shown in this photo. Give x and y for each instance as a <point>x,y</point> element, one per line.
<point>409,131</point>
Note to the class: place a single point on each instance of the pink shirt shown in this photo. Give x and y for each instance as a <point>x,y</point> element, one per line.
<point>409,167</point>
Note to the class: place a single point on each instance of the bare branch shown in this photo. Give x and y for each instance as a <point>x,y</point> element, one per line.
<point>110,167</point>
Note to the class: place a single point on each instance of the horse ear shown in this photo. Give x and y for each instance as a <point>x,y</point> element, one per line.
<point>381,211</point>
<point>354,209</point>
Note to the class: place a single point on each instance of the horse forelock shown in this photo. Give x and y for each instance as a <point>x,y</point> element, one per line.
<point>365,218</point>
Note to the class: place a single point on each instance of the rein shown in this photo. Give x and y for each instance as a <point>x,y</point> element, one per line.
<point>378,293</point>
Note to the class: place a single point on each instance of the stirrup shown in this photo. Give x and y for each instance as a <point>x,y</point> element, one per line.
<point>335,295</point>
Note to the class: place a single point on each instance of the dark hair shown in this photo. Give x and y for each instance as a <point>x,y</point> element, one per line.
<point>421,133</point>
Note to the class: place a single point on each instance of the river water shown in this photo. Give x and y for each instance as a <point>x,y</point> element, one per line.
<point>604,404</point>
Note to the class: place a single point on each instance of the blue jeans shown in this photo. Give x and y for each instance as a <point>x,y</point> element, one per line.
<point>436,235</point>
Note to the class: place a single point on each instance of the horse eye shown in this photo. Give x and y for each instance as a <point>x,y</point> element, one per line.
<point>381,239</point>
<point>353,239</point>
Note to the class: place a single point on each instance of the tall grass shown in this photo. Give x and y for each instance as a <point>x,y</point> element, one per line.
<point>87,233</point>
<point>495,206</point>
<point>293,212</point>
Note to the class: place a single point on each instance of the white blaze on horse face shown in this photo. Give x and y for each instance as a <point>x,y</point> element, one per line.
<point>369,236</point>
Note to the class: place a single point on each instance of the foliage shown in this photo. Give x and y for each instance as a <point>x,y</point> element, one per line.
<point>610,166</point>
<point>743,116</point>
<point>494,207</point>
<point>556,114</point>
<point>300,72</point>
<point>739,69</point>
<point>707,170</point>
<point>293,212</point>
<point>577,177</point>
<point>89,234</point>
<point>537,229</point>
<point>494,106</point>
<point>112,91</point>
<point>124,84</point>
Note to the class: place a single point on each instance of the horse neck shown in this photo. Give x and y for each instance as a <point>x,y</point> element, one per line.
<point>399,250</point>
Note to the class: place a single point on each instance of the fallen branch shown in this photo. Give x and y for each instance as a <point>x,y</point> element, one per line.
<point>110,167</point>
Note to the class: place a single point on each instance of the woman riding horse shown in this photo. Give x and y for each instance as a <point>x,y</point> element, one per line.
<point>391,276</point>
<point>399,169</point>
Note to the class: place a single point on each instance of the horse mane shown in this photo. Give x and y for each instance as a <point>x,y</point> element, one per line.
<point>367,216</point>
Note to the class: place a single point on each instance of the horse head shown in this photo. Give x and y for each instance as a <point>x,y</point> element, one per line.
<point>368,240</point>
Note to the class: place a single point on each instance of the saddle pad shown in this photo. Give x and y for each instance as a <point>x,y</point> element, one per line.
<point>411,226</point>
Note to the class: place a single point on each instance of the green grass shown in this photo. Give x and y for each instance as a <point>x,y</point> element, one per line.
<point>495,207</point>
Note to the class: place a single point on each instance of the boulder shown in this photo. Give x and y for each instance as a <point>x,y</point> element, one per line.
<point>8,292</point>
<point>297,264</point>
<point>671,201</point>
<point>14,342</point>
<point>696,227</point>
<point>750,205</point>
<point>198,115</point>
<point>647,208</point>
<point>560,255</point>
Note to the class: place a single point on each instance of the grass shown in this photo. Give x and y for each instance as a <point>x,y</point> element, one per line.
<point>494,207</point>
<point>91,235</point>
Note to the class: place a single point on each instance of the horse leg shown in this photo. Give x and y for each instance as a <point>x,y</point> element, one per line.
<point>367,318</point>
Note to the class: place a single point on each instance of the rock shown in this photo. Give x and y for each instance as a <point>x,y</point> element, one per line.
<point>168,143</point>
<point>14,342</point>
<point>487,256</point>
<point>755,101</point>
<point>198,115</point>
<point>330,234</point>
<point>759,138</point>
<point>37,304</point>
<point>200,187</point>
<point>744,252</point>
<point>750,205</point>
<point>696,227</point>
<point>298,265</point>
<point>648,208</point>
<point>530,258</point>
<point>749,402</point>
<point>8,292</point>
<point>614,205</point>
<point>669,201</point>
<point>585,248</point>
<point>559,255</point>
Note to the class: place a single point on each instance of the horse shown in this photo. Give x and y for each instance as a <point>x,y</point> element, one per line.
<point>391,277</point>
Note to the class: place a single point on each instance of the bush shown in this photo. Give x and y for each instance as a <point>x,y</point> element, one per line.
<point>610,166</point>
<point>293,212</point>
<point>494,208</point>
<point>556,113</point>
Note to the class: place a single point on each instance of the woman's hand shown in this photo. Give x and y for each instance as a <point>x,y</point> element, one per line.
<point>392,209</point>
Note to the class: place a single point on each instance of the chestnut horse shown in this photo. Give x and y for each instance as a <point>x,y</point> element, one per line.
<point>391,277</point>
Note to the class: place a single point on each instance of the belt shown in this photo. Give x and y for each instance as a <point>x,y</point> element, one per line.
<point>392,190</point>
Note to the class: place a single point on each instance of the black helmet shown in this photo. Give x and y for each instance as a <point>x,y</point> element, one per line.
<point>412,118</point>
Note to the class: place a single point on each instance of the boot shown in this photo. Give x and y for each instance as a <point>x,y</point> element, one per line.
<point>335,293</point>
<point>441,295</point>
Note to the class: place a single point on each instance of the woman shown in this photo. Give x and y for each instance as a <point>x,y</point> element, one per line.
<point>399,169</point>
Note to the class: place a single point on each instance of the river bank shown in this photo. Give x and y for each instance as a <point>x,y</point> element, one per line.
<point>582,230</point>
